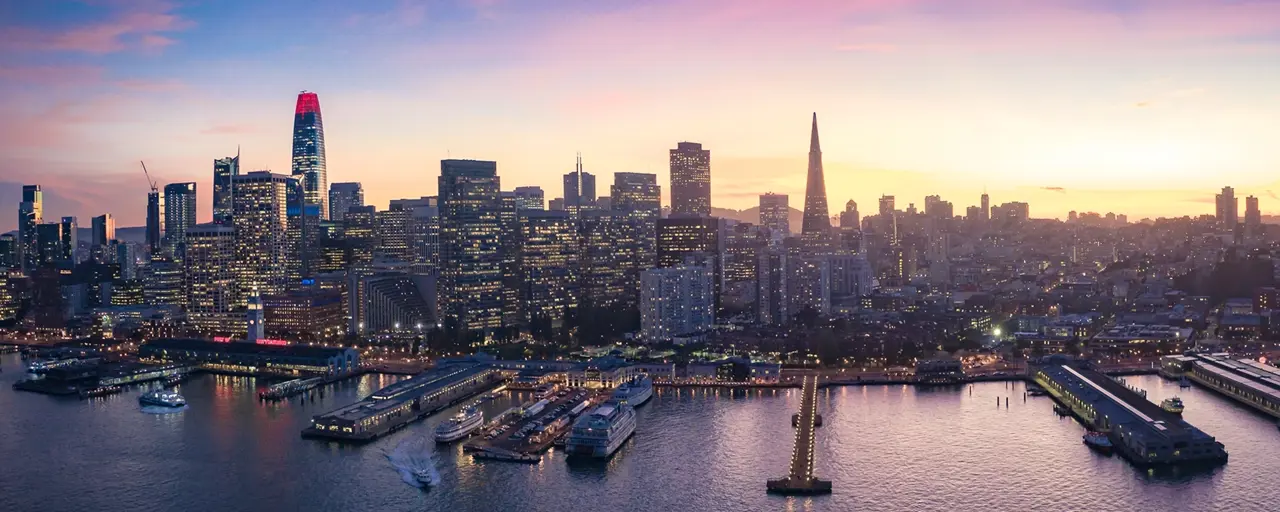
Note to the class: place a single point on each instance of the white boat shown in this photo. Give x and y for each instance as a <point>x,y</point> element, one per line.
<point>162,398</point>
<point>601,431</point>
<point>635,392</point>
<point>424,476</point>
<point>460,425</point>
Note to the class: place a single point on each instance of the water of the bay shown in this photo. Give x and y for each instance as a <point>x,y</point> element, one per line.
<point>883,447</point>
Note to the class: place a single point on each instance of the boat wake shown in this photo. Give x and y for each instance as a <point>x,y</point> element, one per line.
<point>414,460</point>
<point>158,409</point>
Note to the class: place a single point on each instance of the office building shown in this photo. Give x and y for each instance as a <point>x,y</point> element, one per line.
<point>471,253</point>
<point>155,222</point>
<point>307,314</point>
<point>609,259</point>
<point>849,217</point>
<point>104,230</point>
<point>360,229</point>
<point>548,267</point>
<point>817,220</point>
<point>261,222</point>
<point>809,284</point>
<point>532,198</point>
<point>775,215</point>
<point>9,254</point>
<point>50,245</point>
<point>393,233</point>
<point>423,230</point>
<point>224,170</point>
<point>179,214</point>
<point>30,215</point>
<point>677,302</point>
<point>165,283</point>
<point>308,152</point>
<point>772,304</point>
<point>389,300</point>
<point>690,180</point>
<point>1228,207</point>
<point>342,196</point>
<point>579,190</point>
<point>636,203</point>
<point>1252,219</point>
<point>209,263</point>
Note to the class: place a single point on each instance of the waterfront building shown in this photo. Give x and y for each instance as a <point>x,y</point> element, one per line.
<point>690,180</point>
<point>775,215</point>
<point>403,402</point>
<point>530,198</point>
<point>30,215</point>
<point>817,220</point>
<point>179,215</point>
<point>306,314</point>
<point>309,166</point>
<point>548,267</point>
<point>471,252</point>
<point>224,170</point>
<point>342,196</point>
<point>600,373</point>
<point>252,357</point>
<point>677,303</point>
<point>261,230</point>
<point>210,279</point>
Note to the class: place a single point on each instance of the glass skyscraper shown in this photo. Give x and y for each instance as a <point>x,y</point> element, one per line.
<point>30,215</point>
<point>308,152</point>
<point>223,170</point>
<point>471,256</point>
<point>179,214</point>
<point>690,180</point>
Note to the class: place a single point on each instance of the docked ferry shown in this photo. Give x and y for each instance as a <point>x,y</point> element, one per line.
<point>601,431</point>
<point>460,425</point>
<point>162,398</point>
<point>635,392</point>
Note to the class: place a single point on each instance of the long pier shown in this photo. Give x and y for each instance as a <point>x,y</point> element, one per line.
<point>800,480</point>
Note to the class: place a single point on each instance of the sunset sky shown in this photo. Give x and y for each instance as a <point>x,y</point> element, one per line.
<point>1142,107</point>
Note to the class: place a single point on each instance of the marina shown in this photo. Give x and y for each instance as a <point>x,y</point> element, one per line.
<point>522,434</point>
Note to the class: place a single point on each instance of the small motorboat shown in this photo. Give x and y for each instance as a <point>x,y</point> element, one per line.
<point>1172,405</point>
<point>1098,441</point>
<point>424,477</point>
<point>1184,383</point>
<point>1035,390</point>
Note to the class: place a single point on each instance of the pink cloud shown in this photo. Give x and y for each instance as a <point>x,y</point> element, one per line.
<point>134,26</point>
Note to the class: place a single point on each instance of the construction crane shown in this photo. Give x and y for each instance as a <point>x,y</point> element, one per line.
<point>148,175</point>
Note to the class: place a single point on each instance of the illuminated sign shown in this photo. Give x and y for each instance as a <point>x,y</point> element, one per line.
<point>221,339</point>
<point>272,342</point>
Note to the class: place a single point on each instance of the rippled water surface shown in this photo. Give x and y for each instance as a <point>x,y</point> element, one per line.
<point>883,447</point>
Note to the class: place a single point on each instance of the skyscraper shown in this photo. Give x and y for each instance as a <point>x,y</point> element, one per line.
<point>104,230</point>
<point>210,279</point>
<point>636,202</point>
<point>1252,218</point>
<point>1228,207</point>
<point>690,180</point>
<point>548,267</point>
<point>179,214</point>
<point>308,152</point>
<point>986,207</point>
<point>849,217</point>
<point>70,235</point>
<point>261,231</point>
<point>817,221</point>
<point>471,279</point>
<point>30,215</point>
<point>775,213</point>
<point>677,302</point>
<point>342,196</point>
<point>531,198</point>
<point>223,170</point>
<point>579,190</point>
<point>155,221</point>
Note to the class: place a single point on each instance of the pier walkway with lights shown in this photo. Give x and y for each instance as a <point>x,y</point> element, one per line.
<point>801,479</point>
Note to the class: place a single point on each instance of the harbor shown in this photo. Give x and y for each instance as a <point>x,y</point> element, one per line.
<point>1246,381</point>
<point>533,428</point>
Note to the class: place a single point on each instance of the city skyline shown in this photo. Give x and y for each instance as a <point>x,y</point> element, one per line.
<point>1146,98</point>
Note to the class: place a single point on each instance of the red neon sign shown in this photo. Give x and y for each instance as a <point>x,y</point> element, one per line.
<point>221,339</point>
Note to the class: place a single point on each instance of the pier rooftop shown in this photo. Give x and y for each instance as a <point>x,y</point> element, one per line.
<point>1145,433</point>
<point>393,406</point>
<point>1250,382</point>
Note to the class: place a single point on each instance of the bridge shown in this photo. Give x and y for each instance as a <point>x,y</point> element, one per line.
<point>801,480</point>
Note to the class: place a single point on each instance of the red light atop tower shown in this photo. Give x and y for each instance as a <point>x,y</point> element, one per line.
<point>308,102</point>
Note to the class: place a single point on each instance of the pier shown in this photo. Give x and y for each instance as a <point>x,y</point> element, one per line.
<point>800,480</point>
<point>1140,430</point>
<point>528,433</point>
<point>1249,382</point>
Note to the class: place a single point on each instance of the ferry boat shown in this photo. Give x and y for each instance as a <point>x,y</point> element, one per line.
<point>635,392</point>
<point>1098,441</point>
<point>424,477</point>
<point>602,431</point>
<point>1172,405</point>
<point>100,391</point>
<point>459,426</point>
<point>162,398</point>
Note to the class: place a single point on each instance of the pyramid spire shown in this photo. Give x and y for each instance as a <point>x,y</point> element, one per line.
<point>817,221</point>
